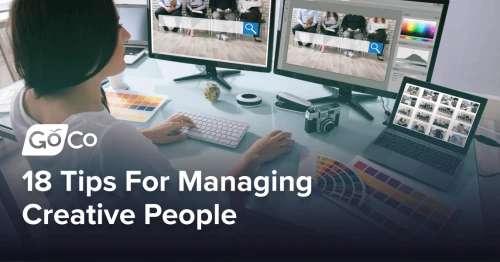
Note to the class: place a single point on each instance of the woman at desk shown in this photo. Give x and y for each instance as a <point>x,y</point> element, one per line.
<point>377,32</point>
<point>329,26</point>
<point>250,11</point>
<point>195,9</point>
<point>68,91</point>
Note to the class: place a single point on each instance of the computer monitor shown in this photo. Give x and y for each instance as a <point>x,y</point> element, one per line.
<point>359,45</point>
<point>213,33</point>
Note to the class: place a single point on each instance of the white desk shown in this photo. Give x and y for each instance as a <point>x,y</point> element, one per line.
<point>344,143</point>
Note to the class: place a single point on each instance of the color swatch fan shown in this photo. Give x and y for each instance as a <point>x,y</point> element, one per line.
<point>130,106</point>
<point>333,179</point>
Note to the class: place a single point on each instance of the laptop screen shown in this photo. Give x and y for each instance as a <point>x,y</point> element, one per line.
<point>439,115</point>
<point>135,20</point>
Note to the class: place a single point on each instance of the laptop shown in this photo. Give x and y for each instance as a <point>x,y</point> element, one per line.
<point>134,19</point>
<point>429,132</point>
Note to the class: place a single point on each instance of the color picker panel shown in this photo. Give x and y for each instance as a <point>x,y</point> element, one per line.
<point>130,106</point>
<point>398,205</point>
<point>418,28</point>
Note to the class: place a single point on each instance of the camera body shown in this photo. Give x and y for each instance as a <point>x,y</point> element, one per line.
<point>322,119</point>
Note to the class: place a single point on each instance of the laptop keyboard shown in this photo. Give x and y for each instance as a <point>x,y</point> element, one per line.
<point>439,160</point>
<point>133,50</point>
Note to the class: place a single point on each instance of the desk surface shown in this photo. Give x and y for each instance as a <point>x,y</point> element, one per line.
<point>344,143</point>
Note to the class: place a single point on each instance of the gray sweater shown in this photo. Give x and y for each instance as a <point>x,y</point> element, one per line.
<point>330,22</point>
<point>200,4</point>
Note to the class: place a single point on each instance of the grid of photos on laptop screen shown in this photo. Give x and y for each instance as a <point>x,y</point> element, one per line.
<point>441,116</point>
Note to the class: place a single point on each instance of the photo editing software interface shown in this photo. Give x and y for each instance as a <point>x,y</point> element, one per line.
<point>439,115</point>
<point>215,30</point>
<point>361,42</point>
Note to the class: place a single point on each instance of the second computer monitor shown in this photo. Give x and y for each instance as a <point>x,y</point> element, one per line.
<point>222,33</point>
<point>366,45</point>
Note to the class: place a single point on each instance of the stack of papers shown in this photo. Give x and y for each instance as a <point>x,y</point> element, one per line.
<point>249,4</point>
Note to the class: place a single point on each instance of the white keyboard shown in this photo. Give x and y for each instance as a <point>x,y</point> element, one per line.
<point>214,130</point>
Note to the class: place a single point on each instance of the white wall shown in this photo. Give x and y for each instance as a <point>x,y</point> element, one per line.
<point>469,55</point>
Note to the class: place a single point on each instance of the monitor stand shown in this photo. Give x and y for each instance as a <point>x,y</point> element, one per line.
<point>344,95</point>
<point>211,73</point>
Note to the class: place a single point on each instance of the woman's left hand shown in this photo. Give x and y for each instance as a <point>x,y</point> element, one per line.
<point>161,134</point>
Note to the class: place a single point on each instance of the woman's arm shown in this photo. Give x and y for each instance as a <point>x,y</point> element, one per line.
<point>336,25</point>
<point>386,25</point>
<point>203,6</point>
<point>179,4</point>
<point>264,150</point>
<point>370,26</point>
<point>161,134</point>
<point>299,16</point>
<point>160,2</point>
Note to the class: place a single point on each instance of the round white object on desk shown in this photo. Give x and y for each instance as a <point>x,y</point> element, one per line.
<point>116,82</point>
<point>249,100</point>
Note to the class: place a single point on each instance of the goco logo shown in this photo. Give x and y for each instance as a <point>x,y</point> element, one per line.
<point>49,140</point>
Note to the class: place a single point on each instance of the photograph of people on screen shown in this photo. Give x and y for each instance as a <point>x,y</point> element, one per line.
<point>409,100</point>
<point>426,106</point>
<point>461,129</point>
<point>402,121</point>
<point>441,122</point>
<point>457,140</point>
<point>437,133</point>
<point>232,31</point>
<point>445,111</point>
<point>338,42</point>
<point>469,106</point>
<point>451,122</point>
<point>430,95</point>
<point>464,117</point>
<point>413,90</point>
<point>419,127</point>
<point>406,111</point>
<point>449,100</point>
<point>424,117</point>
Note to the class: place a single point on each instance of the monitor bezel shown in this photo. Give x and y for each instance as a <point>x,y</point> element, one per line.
<point>212,63</point>
<point>427,138</point>
<point>354,87</point>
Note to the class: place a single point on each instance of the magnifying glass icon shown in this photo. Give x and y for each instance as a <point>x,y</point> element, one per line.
<point>373,46</point>
<point>249,27</point>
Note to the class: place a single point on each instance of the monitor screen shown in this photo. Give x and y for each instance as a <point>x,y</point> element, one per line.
<point>134,19</point>
<point>231,33</point>
<point>363,43</point>
<point>436,114</point>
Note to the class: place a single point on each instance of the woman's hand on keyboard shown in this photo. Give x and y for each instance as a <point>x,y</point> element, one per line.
<point>271,146</point>
<point>162,133</point>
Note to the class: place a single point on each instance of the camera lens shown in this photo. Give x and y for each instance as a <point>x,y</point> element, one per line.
<point>327,125</point>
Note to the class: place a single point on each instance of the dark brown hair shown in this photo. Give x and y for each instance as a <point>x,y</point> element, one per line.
<point>59,44</point>
<point>377,19</point>
<point>335,15</point>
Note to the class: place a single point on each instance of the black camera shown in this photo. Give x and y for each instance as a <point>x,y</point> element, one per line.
<point>322,119</point>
